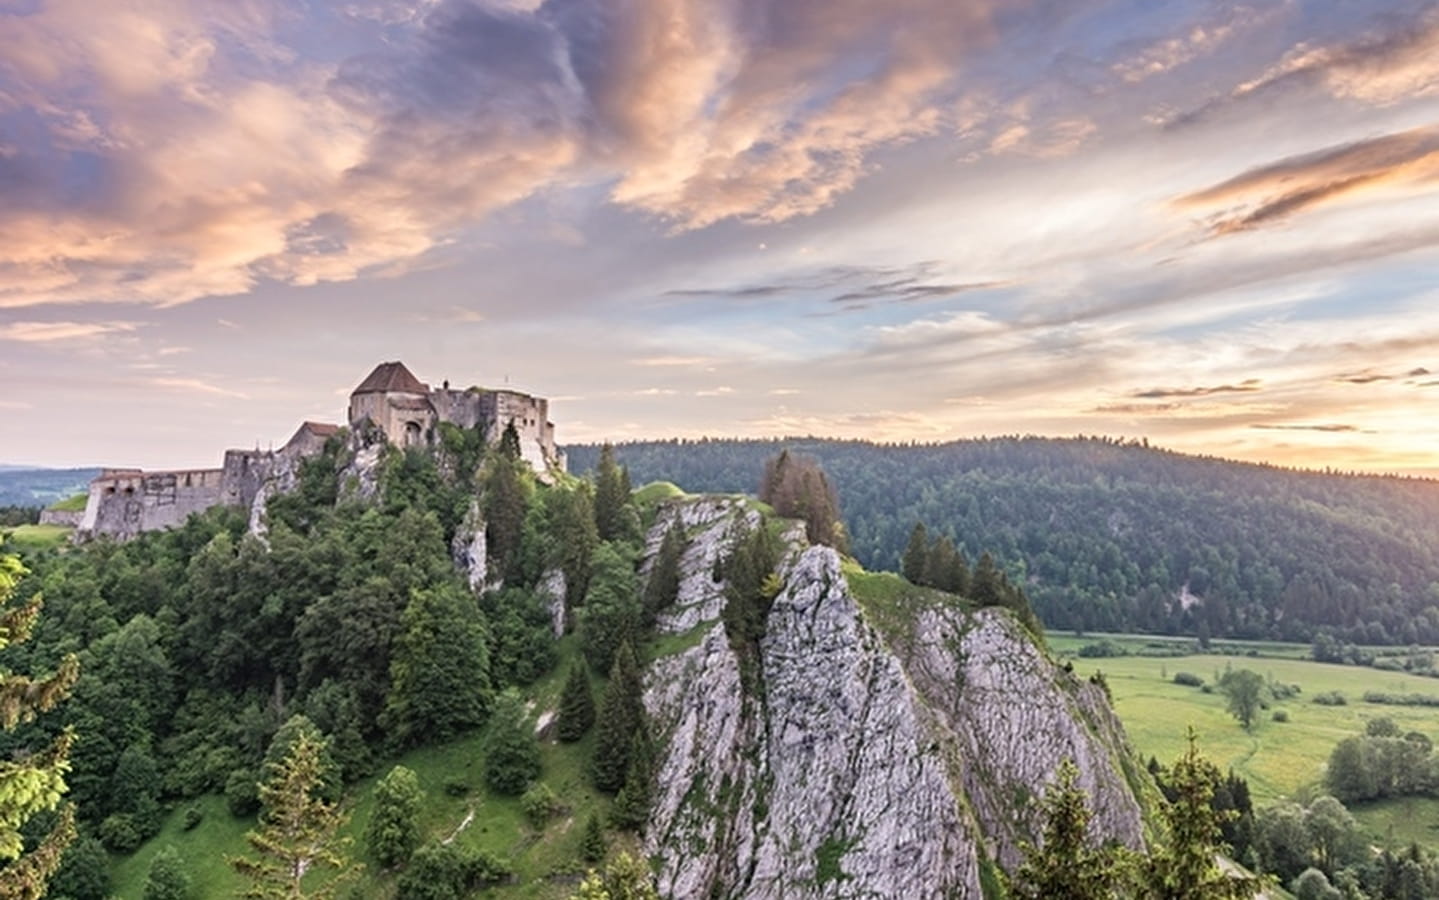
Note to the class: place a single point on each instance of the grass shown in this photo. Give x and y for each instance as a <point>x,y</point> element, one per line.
<point>544,862</point>
<point>24,539</point>
<point>1279,759</point>
<point>889,601</point>
<point>75,503</point>
<point>1163,645</point>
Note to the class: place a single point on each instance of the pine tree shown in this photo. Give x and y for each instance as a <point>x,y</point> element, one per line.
<point>1066,865</point>
<point>505,491</point>
<point>577,704</point>
<point>611,496</point>
<point>985,587</point>
<point>632,805</point>
<point>915,554</point>
<point>298,831</point>
<point>593,845</point>
<point>393,831</point>
<point>167,878</point>
<point>621,713</point>
<point>440,670</point>
<point>663,586</point>
<point>1183,866</point>
<point>34,783</point>
<point>512,755</point>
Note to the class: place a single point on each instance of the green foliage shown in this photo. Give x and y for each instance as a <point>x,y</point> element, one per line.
<point>506,486</point>
<point>1381,764</point>
<point>577,705</point>
<point>797,488</point>
<point>626,878</point>
<point>540,805</point>
<point>621,715</point>
<point>167,879</point>
<point>522,646</point>
<point>615,516</point>
<point>512,755</point>
<point>632,805</point>
<point>749,590</point>
<point>448,872</point>
<point>84,872</point>
<point>393,832</point>
<point>283,745</point>
<point>1188,679</point>
<point>30,784</point>
<point>593,845</point>
<point>298,831</point>
<point>912,563</point>
<point>662,587</point>
<point>1243,693</point>
<point>1183,866</point>
<point>1066,865</point>
<point>612,611</point>
<point>440,673</point>
<point>570,524</point>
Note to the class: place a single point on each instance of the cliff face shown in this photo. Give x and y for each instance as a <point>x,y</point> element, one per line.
<point>888,747</point>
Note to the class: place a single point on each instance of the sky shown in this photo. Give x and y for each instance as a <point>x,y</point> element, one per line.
<point>1214,225</point>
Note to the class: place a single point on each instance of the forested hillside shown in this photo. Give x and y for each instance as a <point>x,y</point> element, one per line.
<point>41,487</point>
<point>1109,535</point>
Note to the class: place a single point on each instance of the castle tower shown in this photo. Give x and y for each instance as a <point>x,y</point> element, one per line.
<point>397,402</point>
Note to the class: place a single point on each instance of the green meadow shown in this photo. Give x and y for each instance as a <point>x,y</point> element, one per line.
<point>1280,759</point>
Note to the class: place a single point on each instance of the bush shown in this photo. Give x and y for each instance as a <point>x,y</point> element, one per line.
<point>1188,679</point>
<point>192,817</point>
<point>1280,715</point>
<point>119,833</point>
<point>447,872</point>
<point>541,805</point>
<point>242,793</point>
<point>1401,699</point>
<point>1102,649</point>
<point>1331,698</point>
<point>454,787</point>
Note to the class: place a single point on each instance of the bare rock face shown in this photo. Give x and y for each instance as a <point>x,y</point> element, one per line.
<point>849,762</point>
<point>467,548</point>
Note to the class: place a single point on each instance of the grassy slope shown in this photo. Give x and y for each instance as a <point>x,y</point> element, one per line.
<point>34,538</point>
<point>1279,759</point>
<point>543,862</point>
<point>74,503</point>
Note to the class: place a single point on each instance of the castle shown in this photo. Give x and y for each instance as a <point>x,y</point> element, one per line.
<point>390,402</point>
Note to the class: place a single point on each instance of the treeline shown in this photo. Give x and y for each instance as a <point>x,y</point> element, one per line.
<point>1110,535</point>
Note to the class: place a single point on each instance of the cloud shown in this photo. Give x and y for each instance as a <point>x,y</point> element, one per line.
<point>1248,385</point>
<point>1191,42</point>
<point>669,361</point>
<point>47,332</point>
<point>851,288</point>
<point>195,385</point>
<point>1363,378</point>
<point>1328,427</point>
<point>1276,192</point>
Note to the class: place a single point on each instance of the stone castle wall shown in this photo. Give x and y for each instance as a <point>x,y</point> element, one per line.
<point>125,503</point>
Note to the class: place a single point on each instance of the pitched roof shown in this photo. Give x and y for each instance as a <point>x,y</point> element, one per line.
<point>391,377</point>
<point>323,429</point>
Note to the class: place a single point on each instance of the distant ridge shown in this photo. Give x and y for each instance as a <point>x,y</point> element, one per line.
<point>39,486</point>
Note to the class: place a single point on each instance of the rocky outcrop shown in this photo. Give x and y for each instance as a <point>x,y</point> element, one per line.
<point>857,762</point>
<point>468,547</point>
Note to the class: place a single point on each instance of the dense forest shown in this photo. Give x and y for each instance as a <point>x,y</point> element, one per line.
<point>1119,536</point>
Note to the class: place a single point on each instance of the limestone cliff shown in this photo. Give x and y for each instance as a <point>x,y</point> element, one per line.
<point>895,746</point>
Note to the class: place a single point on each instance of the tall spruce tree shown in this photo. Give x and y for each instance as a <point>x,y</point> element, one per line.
<point>916,552</point>
<point>298,835</point>
<point>577,704</point>
<point>1184,866</point>
<point>611,496</point>
<point>986,585</point>
<point>30,784</point>
<point>663,586</point>
<point>1066,865</point>
<point>632,805</point>
<point>621,714</point>
<point>505,496</point>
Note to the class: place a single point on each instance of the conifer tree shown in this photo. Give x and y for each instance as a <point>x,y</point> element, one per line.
<point>298,832</point>
<point>612,496</point>
<point>632,805</point>
<point>577,704</point>
<point>30,784</point>
<point>621,713</point>
<point>393,831</point>
<point>912,564</point>
<point>1183,866</point>
<point>663,586</point>
<point>986,587</point>
<point>505,495</point>
<point>1066,865</point>
<point>593,845</point>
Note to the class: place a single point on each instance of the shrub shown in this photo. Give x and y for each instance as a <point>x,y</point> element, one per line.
<point>1188,679</point>
<point>1102,649</point>
<point>193,816</point>
<point>447,872</point>
<point>455,787</point>
<point>541,805</point>
<point>1280,715</point>
<point>118,833</point>
<point>1331,698</point>
<point>242,793</point>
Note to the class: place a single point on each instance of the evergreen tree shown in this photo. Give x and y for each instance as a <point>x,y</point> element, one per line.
<point>283,743</point>
<point>612,496</point>
<point>393,831</point>
<point>912,564</point>
<point>621,714</point>
<point>512,755</point>
<point>298,832</point>
<point>1183,866</point>
<point>663,586</point>
<point>167,878</point>
<point>34,783</point>
<point>593,845</point>
<point>627,878</point>
<point>797,488</point>
<point>1066,865</point>
<point>505,491</point>
<point>570,515</point>
<point>577,705</point>
<point>632,805</point>
<point>84,872</point>
<point>612,609</point>
<point>440,670</point>
<point>986,586</point>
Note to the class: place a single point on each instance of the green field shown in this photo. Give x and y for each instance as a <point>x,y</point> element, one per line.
<point>24,539</point>
<point>1280,759</point>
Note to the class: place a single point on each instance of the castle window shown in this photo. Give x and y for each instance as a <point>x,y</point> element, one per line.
<point>412,434</point>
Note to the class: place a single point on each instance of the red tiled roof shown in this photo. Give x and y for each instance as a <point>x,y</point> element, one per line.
<point>390,377</point>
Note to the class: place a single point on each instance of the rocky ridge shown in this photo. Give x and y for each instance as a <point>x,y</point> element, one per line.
<point>894,761</point>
